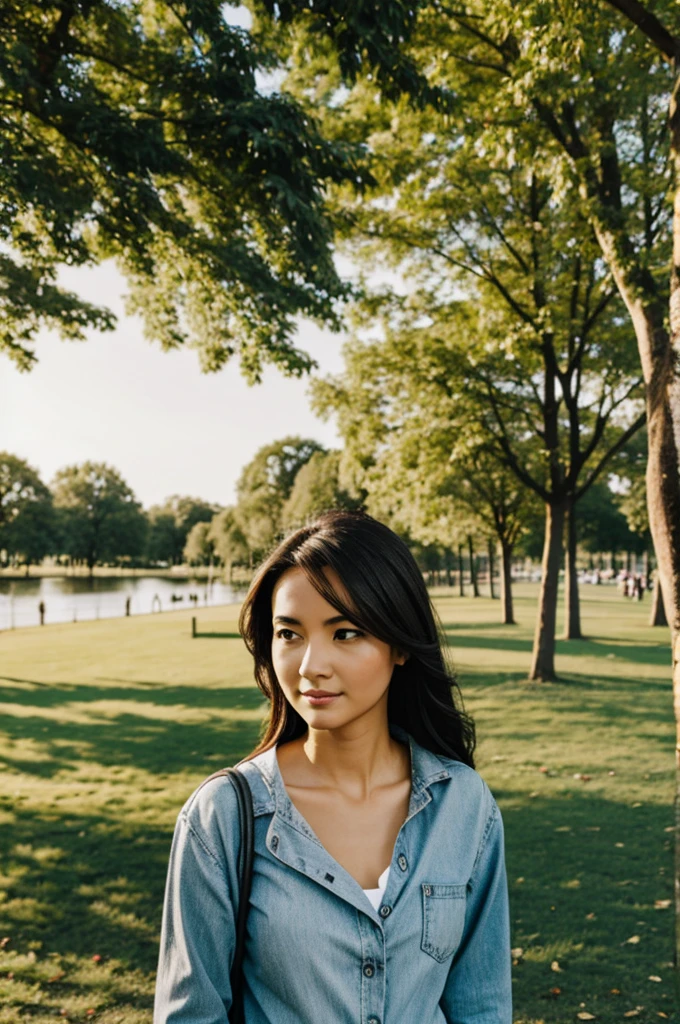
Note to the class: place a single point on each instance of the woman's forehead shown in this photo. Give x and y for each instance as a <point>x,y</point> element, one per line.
<point>295,589</point>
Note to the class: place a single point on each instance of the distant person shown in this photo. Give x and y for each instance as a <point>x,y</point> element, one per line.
<point>41,612</point>
<point>379,889</point>
<point>128,601</point>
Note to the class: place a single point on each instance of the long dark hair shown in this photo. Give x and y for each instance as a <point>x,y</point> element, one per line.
<point>390,601</point>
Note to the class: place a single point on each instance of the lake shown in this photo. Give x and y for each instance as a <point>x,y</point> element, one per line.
<point>78,598</point>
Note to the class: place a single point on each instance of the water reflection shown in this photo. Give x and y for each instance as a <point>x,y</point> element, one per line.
<point>79,598</point>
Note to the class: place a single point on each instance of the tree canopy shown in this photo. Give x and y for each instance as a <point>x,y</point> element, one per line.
<point>99,517</point>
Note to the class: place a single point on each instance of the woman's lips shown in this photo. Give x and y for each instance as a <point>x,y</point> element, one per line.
<point>319,698</point>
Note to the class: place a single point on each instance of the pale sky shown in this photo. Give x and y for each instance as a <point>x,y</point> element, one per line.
<point>168,428</point>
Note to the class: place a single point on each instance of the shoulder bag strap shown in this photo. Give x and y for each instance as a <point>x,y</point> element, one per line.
<point>245,873</point>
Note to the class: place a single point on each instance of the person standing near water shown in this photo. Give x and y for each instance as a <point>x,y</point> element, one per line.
<point>379,891</point>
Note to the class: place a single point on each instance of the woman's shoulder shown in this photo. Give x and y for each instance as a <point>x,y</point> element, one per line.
<point>467,794</point>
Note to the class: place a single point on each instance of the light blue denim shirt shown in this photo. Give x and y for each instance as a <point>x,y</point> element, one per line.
<point>437,950</point>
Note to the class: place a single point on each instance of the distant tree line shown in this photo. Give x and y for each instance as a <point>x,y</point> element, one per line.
<point>90,516</point>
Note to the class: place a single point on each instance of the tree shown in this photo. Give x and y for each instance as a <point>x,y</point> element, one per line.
<point>456,206</point>
<point>603,525</point>
<point>170,525</point>
<point>101,520</point>
<point>27,520</point>
<point>412,451</point>
<point>264,486</point>
<point>138,131</point>
<point>229,543</point>
<point>316,489</point>
<point>199,548</point>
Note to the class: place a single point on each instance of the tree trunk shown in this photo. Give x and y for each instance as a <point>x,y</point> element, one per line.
<point>543,657</point>
<point>491,568</point>
<point>473,569</point>
<point>508,618</point>
<point>572,607</point>
<point>658,614</point>
<point>461,582</point>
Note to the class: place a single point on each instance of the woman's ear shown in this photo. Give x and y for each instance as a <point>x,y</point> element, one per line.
<point>400,657</point>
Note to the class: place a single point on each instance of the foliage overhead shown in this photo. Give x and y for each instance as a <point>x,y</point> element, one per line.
<point>139,131</point>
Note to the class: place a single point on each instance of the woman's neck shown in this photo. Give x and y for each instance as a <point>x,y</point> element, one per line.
<point>354,760</point>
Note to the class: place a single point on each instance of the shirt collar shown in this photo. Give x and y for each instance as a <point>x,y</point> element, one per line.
<point>426,768</point>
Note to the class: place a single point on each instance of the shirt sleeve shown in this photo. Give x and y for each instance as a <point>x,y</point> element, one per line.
<point>198,932</point>
<point>478,988</point>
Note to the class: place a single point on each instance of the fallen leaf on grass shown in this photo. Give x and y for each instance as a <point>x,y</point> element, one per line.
<point>660,1013</point>
<point>632,941</point>
<point>615,991</point>
<point>590,916</point>
<point>620,845</point>
<point>4,942</point>
<point>563,828</point>
<point>555,991</point>
<point>544,768</point>
<point>97,958</point>
<point>662,904</point>
<point>56,977</point>
<point>671,828</point>
<point>611,773</point>
<point>517,952</point>
<point>634,1013</point>
<point>555,966</point>
<point>654,977</point>
<point>583,1015</point>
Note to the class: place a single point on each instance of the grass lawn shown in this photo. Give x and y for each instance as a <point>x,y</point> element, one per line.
<point>108,726</point>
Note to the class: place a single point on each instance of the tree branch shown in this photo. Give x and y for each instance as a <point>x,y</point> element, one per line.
<point>621,443</point>
<point>649,25</point>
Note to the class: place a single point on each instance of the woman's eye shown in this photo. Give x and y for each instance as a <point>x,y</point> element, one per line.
<point>341,634</point>
<point>285,634</point>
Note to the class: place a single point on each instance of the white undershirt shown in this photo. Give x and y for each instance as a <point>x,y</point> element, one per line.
<point>375,895</point>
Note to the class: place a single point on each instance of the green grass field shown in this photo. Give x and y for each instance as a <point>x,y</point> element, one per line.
<point>108,726</point>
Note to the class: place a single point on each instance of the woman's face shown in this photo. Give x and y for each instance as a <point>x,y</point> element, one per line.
<point>331,672</point>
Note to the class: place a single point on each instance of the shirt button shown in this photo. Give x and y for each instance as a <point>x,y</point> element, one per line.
<point>385,911</point>
<point>368,971</point>
<point>275,842</point>
<point>372,1020</point>
<point>427,890</point>
<point>402,862</point>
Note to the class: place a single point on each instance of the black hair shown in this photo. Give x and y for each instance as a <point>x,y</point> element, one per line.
<point>388,599</point>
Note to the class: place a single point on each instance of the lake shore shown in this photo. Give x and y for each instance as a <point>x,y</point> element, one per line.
<point>181,572</point>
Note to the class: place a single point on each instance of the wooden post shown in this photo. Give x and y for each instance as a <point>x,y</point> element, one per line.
<point>193,626</point>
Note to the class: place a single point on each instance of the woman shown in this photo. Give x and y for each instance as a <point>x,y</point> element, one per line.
<point>379,893</point>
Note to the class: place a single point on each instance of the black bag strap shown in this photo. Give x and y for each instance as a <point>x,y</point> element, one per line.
<point>244,800</point>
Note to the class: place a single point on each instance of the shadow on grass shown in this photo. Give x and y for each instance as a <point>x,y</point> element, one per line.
<point>93,884</point>
<point>593,647</point>
<point>216,636</point>
<point>577,898</point>
<point>44,695</point>
<point>154,744</point>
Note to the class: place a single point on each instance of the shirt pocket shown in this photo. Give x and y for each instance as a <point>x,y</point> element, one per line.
<point>443,919</point>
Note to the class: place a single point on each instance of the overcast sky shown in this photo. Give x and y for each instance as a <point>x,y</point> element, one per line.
<point>168,428</point>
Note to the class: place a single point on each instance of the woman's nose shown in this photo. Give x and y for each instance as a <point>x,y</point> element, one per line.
<point>315,661</point>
